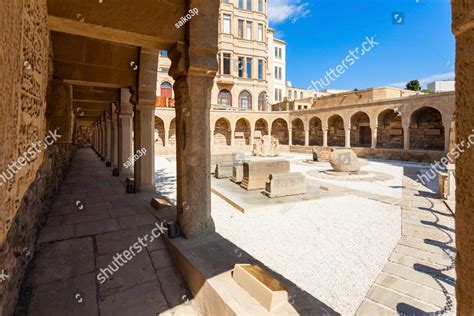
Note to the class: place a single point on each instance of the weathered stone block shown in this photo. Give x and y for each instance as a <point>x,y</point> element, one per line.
<point>344,160</point>
<point>238,173</point>
<point>224,169</point>
<point>256,172</point>
<point>284,184</point>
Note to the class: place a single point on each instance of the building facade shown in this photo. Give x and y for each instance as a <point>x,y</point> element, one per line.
<point>252,67</point>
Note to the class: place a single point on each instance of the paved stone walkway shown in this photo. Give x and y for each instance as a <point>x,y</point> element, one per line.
<point>91,221</point>
<point>419,278</point>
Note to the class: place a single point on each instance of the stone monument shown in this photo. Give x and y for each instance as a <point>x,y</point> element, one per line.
<point>266,146</point>
<point>285,184</point>
<point>344,160</point>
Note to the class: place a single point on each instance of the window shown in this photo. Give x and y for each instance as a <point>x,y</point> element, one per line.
<point>260,32</point>
<point>226,24</point>
<point>224,98</point>
<point>241,67</point>
<point>278,96</point>
<point>249,67</point>
<point>262,101</point>
<point>260,69</point>
<point>301,95</point>
<point>164,69</point>
<point>245,100</point>
<point>278,52</point>
<point>241,4</point>
<point>241,29</point>
<point>278,73</point>
<point>289,94</point>
<point>295,95</point>
<point>249,4</point>
<point>166,90</point>
<point>260,6</point>
<point>248,33</point>
<point>226,70</point>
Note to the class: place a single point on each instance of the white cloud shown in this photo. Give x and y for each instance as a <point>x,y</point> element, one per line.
<point>281,10</point>
<point>425,81</point>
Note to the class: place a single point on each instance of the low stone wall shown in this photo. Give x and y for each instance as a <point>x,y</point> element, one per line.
<point>428,156</point>
<point>21,238</point>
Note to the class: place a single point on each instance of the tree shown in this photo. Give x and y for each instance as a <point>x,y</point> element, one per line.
<point>413,85</point>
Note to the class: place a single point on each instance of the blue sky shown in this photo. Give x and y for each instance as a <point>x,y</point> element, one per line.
<point>319,34</point>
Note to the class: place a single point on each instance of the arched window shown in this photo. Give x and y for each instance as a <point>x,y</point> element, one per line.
<point>224,98</point>
<point>166,90</point>
<point>262,101</point>
<point>295,95</point>
<point>301,95</point>
<point>245,100</point>
<point>289,94</point>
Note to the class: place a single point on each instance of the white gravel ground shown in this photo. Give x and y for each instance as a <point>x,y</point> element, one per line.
<point>332,248</point>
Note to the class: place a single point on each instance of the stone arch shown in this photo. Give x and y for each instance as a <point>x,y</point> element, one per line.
<point>224,98</point>
<point>297,132</point>
<point>172,133</point>
<point>336,132</point>
<point>426,129</point>
<point>159,132</point>
<point>316,136</point>
<point>261,125</point>
<point>390,130</point>
<point>245,100</point>
<point>166,90</point>
<point>280,131</point>
<point>361,133</point>
<point>242,132</point>
<point>222,132</point>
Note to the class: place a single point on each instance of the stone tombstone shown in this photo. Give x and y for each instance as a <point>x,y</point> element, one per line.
<point>266,146</point>
<point>285,184</point>
<point>256,172</point>
<point>317,154</point>
<point>344,160</point>
<point>237,173</point>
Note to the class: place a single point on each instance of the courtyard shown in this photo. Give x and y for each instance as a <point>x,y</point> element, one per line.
<point>362,246</point>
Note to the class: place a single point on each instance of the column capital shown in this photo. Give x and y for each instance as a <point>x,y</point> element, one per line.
<point>192,60</point>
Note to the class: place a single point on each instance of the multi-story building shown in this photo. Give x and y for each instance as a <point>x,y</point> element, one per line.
<point>251,73</point>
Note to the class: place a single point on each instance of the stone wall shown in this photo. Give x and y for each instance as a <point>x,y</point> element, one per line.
<point>27,187</point>
<point>463,28</point>
<point>280,131</point>
<point>428,156</point>
<point>427,130</point>
<point>29,218</point>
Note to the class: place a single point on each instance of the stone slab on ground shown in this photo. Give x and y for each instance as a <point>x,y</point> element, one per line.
<point>250,201</point>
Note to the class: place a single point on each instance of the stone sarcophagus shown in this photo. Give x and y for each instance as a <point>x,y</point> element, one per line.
<point>284,184</point>
<point>237,173</point>
<point>256,172</point>
<point>224,169</point>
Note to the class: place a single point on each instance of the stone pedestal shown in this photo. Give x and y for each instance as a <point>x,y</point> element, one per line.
<point>285,184</point>
<point>238,173</point>
<point>256,172</point>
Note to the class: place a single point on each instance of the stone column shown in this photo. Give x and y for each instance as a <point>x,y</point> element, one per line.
<point>144,132</point>
<point>193,84</point>
<point>232,136</point>
<point>290,136</point>
<point>251,140</point>
<point>125,148</point>
<point>306,137</point>
<point>325,137</point>
<point>374,137</point>
<point>463,29</point>
<point>347,137</point>
<point>447,132</point>
<point>114,147</point>
<point>108,137</point>
<point>406,136</point>
<point>102,138</point>
<point>167,135</point>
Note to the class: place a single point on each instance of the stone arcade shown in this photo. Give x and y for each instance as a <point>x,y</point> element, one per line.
<point>57,72</point>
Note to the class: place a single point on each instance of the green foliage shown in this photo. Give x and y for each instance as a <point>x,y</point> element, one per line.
<point>413,85</point>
